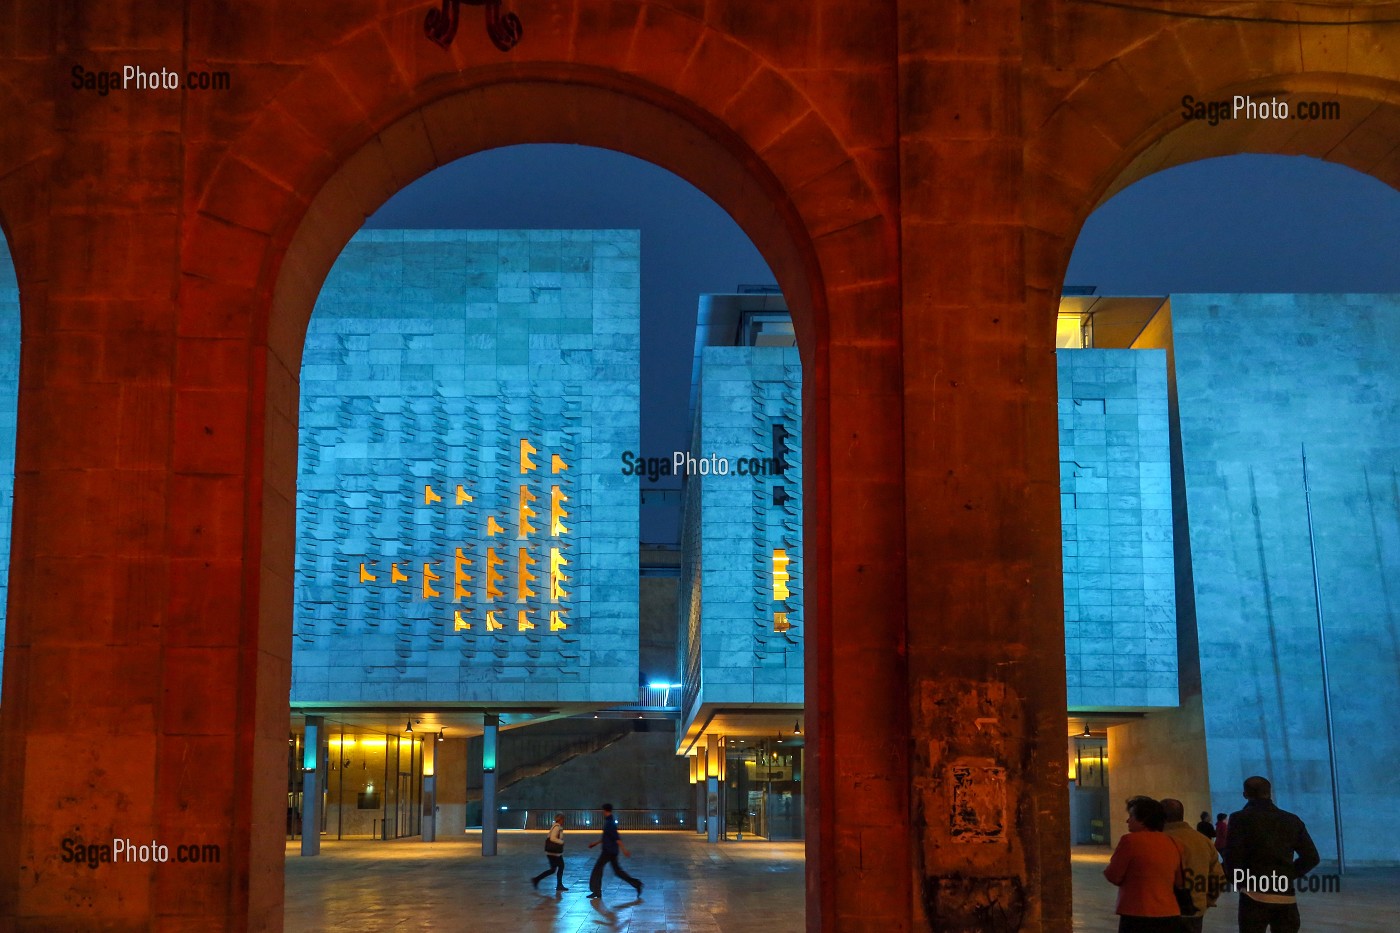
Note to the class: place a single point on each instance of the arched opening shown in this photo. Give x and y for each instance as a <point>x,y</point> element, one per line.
<point>9,405</point>
<point>1229,512</point>
<point>432,135</point>
<point>418,327</point>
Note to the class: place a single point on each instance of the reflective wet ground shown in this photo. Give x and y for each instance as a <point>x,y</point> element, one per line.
<point>748,887</point>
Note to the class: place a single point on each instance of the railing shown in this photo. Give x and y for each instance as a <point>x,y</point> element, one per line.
<point>577,819</point>
<point>660,696</point>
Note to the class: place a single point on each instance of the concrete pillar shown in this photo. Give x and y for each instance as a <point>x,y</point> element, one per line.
<point>714,767</point>
<point>429,825</point>
<point>313,782</point>
<point>488,785</point>
<point>698,779</point>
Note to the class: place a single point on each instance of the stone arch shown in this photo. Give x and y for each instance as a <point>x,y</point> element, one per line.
<point>280,204</point>
<point>1123,119</point>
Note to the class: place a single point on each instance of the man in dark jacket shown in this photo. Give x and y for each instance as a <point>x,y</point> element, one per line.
<point>1266,850</point>
<point>611,843</point>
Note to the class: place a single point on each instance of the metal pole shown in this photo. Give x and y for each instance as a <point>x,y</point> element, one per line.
<point>1326,687</point>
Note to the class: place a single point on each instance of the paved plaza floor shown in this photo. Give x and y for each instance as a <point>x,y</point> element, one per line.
<point>737,887</point>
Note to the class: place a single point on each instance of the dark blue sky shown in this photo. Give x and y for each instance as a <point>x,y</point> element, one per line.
<point>1244,223</point>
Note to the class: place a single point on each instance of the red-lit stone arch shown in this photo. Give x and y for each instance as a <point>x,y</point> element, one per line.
<point>1121,120</point>
<point>293,189</point>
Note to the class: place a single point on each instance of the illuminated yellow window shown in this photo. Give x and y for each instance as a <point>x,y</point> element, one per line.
<point>428,578</point>
<point>524,577</point>
<point>526,448</point>
<point>557,578</point>
<point>525,512</point>
<point>460,577</point>
<point>557,513</point>
<point>494,578</point>
<point>780,574</point>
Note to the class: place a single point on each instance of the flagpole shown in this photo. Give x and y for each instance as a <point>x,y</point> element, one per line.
<point>1326,687</point>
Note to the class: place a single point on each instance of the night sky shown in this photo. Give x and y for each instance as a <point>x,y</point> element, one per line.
<point>1242,224</point>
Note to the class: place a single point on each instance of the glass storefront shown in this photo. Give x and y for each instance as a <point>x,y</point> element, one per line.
<point>374,784</point>
<point>763,791</point>
<point>1088,791</point>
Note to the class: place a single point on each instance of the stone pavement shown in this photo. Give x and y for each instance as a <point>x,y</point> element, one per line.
<point>691,887</point>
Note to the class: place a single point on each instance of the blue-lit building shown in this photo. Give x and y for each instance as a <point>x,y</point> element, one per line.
<point>1202,576</point>
<point>9,408</point>
<point>467,550</point>
<point>740,616</point>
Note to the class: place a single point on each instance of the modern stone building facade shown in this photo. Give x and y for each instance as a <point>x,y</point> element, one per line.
<point>1191,615</point>
<point>463,532</point>
<point>741,577</point>
<point>1116,519</point>
<point>1257,379</point>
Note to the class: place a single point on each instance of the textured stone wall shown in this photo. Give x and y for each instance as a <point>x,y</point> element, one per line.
<point>1258,376</point>
<point>431,357</point>
<point>1160,755</point>
<point>1116,523</point>
<point>747,652</point>
<point>638,771</point>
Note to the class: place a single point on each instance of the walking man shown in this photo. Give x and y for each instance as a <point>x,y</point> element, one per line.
<point>611,843</point>
<point>1260,848</point>
<point>1202,875</point>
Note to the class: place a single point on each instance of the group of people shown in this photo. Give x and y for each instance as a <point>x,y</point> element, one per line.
<point>611,842</point>
<point>1169,874</point>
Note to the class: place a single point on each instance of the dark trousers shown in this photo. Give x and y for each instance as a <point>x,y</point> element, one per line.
<point>556,866</point>
<point>1194,923</point>
<point>1149,924</point>
<point>1257,917</point>
<point>595,881</point>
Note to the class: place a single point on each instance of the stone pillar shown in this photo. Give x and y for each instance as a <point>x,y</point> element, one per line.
<point>313,784</point>
<point>488,784</point>
<point>985,631</point>
<point>428,829</point>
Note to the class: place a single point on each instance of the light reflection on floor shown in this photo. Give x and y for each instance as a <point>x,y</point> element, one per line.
<point>749,887</point>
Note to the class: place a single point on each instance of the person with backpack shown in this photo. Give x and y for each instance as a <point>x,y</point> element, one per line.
<point>554,851</point>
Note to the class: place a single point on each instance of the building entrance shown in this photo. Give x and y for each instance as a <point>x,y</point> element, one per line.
<point>374,784</point>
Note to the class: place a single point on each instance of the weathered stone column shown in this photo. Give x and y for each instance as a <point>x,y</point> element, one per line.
<point>986,638</point>
<point>133,689</point>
